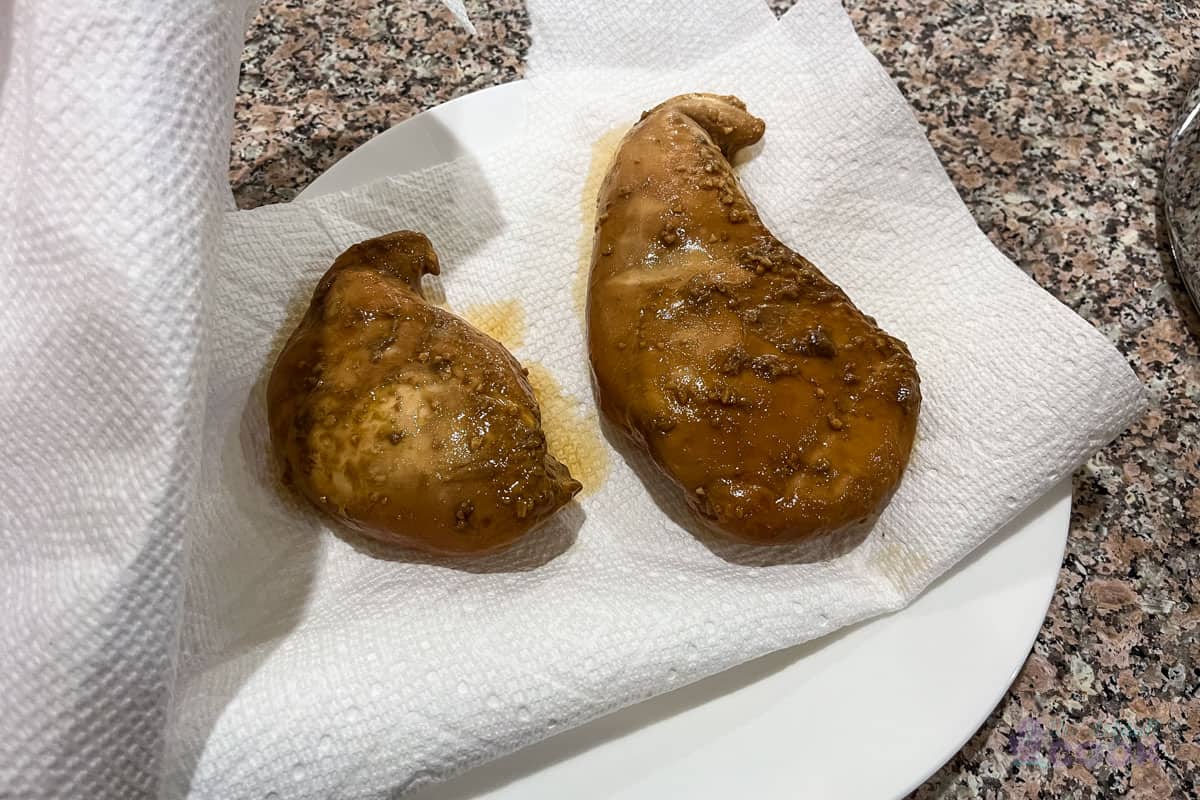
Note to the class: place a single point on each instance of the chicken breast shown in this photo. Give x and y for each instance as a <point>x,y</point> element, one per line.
<point>779,409</point>
<point>403,421</point>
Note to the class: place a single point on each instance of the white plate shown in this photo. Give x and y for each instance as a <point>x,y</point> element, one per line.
<point>868,712</point>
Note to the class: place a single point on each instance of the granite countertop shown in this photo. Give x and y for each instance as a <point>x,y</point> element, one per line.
<point>1051,119</point>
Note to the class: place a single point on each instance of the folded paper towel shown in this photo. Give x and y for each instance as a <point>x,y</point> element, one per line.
<point>114,147</point>
<point>311,666</point>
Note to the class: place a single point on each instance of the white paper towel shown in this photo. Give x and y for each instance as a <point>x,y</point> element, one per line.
<point>315,668</point>
<point>114,147</point>
<point>312,667</point>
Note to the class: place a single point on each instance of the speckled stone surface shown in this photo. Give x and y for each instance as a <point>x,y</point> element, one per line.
<point>1051,118</point>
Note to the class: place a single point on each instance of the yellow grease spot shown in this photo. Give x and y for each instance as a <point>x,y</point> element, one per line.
<point>503,320</point>
<point>572,430</point>
<point>603,152</point>
<point>900,562</point>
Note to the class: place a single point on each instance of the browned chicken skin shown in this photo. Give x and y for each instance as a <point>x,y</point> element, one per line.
<point>780,409</point>
<point>402,420</point>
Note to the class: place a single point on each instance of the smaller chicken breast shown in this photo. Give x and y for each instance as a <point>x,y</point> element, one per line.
<point>403,421</point>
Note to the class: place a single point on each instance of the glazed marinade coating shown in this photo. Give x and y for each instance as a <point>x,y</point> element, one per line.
<point>779,409</point>
<point>402,420</point>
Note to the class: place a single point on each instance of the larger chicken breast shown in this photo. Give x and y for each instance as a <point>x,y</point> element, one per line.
<point>777,407</point>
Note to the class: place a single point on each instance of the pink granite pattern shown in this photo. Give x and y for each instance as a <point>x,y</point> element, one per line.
<point>1051,118</point>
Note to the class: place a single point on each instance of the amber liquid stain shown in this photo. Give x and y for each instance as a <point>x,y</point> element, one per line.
<point>503,320</point>
<point>902,563</point>
<point>572,430</point>
<point>603,152</point>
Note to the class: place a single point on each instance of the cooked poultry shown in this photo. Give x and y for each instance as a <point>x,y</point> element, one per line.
<point>780,409</point>
<point>402,420</point>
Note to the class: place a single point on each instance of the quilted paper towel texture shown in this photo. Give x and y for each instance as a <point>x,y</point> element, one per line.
<point>314,667</point>
<point>114,136</point>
